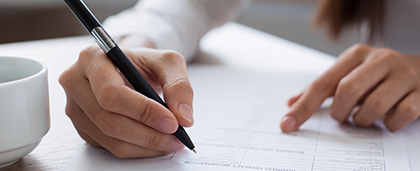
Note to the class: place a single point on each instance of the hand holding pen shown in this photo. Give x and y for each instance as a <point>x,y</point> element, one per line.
<point>108,113</point>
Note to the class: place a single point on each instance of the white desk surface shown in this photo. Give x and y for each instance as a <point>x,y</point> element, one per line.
<point>232,45</point>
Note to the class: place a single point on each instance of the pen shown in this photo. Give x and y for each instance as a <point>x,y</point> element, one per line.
<point>119,59</point>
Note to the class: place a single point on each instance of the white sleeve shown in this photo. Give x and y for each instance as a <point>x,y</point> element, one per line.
<point>174,24</point>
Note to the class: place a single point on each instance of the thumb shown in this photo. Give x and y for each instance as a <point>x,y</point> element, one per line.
<point>170,70</point>
<point>179,97</point>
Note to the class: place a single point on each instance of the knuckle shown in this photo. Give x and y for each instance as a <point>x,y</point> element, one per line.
<point>70,112</point>
<point>108,94</point>
<point>376,105</point>
<point>180,84</point>
<point>121,150</point>
<point>408,111</point>
<point>64,79</point>
<point>358,48</point>
<point>155,141</point>
<point>145,113</point>
<point>110,126</point>
<point>346,89</point>
<point>173,56</point>
<point>67,78</point>
<point>87,138</point>
<point>409,73</point>
<point>391,126</point>
<point>323,84</point>
<point>73,114</point>
<point>355,51</point>
<point>88,58</point>
<point>337,117</point>
<point>88,52</point>
<point>388,55</point>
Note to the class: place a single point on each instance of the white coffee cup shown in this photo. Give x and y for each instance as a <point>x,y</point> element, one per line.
<point>24,107</point>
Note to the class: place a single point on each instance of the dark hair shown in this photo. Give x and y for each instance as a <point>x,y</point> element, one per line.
<point>338,15</point>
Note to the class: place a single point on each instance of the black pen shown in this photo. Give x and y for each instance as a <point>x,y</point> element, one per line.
<point>119,59</point>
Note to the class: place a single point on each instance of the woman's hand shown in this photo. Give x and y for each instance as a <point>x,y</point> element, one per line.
<point>108,113</point>
<point>383,82</point>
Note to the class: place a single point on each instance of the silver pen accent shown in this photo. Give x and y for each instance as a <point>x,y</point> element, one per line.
<point>103,39</point>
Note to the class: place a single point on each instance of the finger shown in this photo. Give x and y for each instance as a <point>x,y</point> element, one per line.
<point>113,95</point>
<point>122,149</point>
<point>93,135</point>
<point>320,89</point>
<point>407,111</point>
<point>74,112</point>
<point>170,70</point>
<point>118,126</point>
<point>88,139</point>
<point>381,100</point>
<point>293,99</point>
<point>354,86</point>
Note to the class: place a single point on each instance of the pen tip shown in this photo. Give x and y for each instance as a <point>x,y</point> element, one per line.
<point>194,151</point>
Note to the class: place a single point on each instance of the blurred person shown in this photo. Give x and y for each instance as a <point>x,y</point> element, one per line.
<point>379,77</point>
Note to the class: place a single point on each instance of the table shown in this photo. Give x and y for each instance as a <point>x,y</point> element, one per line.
<point>232,45</point>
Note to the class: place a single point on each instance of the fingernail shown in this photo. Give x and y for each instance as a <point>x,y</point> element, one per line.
<point>186,112</point>
<point>167,125</point>
<point>176,145</point>
<point>288,123</point>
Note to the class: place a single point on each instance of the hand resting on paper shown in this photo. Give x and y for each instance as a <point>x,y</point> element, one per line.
<point>108,113</point>
<point>384,82</point>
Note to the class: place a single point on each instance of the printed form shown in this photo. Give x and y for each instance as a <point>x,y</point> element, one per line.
<point>412,138</point>
<point>237,115</point>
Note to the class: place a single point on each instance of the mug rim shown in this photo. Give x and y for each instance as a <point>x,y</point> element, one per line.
<point>44,69</point>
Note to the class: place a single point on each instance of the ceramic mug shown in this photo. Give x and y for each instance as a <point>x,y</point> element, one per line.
<point>24,107</point>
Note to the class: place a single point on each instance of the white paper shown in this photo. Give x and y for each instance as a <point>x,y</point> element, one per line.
<point>411,135</point>
<point>237,114</point>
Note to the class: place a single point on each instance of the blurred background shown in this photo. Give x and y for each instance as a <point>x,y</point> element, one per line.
<point>23,20</point>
